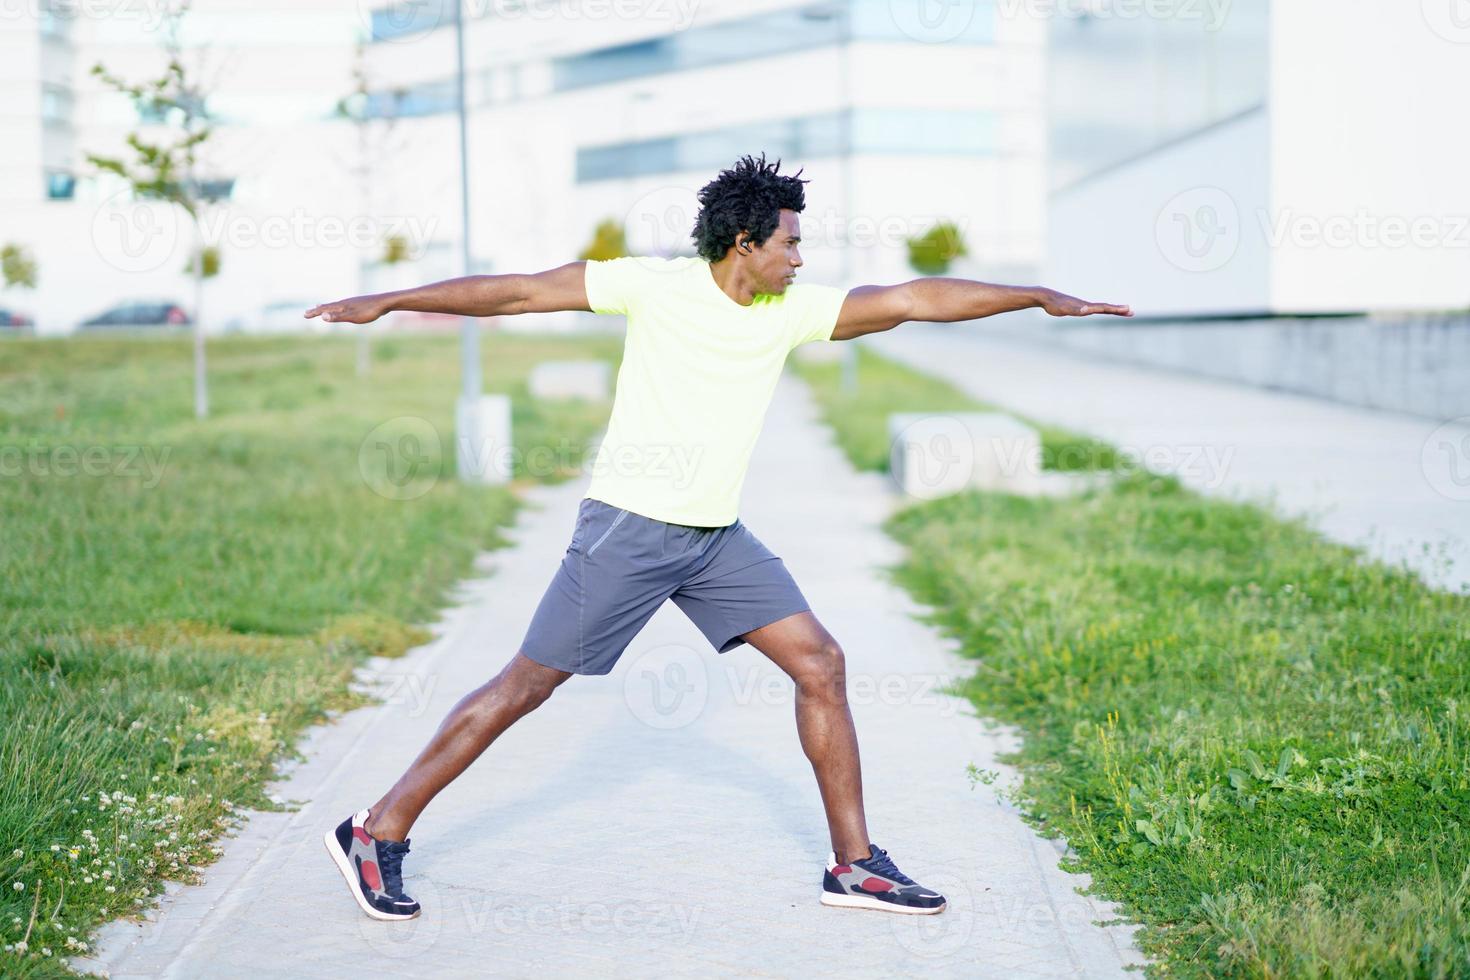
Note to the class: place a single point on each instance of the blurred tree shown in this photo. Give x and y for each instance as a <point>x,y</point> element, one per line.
<point>164,162</point>
<point>211,262</point>
<point>395,249</point>
<point>608,242</point>
<point>18,267</point>
<point>932,252</point>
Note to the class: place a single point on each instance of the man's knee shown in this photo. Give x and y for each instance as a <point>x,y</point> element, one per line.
<point>527,684</point>
<point>824,671</point>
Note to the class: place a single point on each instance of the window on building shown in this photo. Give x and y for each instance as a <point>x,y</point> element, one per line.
<point>899,131</point>
<point>56,104</point>
<point>55,17</point>
<point>60,185</point>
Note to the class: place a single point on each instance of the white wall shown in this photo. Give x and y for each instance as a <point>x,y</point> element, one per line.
<point>1171,233</point>
<point>1369,139</point>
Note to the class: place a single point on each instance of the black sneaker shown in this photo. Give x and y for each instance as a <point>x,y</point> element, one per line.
<point>874,883</point>
<point>373,868</point>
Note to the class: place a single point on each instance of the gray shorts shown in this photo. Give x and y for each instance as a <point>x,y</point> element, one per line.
<point>621,566</point>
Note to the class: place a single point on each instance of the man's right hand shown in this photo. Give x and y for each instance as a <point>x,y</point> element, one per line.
<point>357,309</point>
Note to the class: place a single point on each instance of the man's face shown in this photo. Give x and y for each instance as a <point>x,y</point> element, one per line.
<point>775,262</point>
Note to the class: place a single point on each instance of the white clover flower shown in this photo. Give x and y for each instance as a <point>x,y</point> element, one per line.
<point>55,847</point>
<point>19,886</point>
<point>17,853</point>
<point>22,946</point>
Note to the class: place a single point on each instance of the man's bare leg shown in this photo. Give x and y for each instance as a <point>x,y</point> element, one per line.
<point>475,721</point>
<point>803,648</point>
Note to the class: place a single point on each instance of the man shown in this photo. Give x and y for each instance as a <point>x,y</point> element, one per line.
<point>707,336</point>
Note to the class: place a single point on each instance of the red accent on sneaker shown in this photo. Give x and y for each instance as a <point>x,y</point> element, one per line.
<point>842,869</point>
<point>362,836</point>
<point>876,885</point>
<point>371,876</point>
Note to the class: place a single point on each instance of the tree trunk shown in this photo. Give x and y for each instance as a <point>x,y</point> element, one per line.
<point>201,390</point>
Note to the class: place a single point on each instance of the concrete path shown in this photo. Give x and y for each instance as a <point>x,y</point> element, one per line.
<point>1397,485</point>
<point>661,820</point>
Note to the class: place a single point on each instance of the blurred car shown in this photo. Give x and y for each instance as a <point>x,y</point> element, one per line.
<point>14,318</point>
<point>146,313</point>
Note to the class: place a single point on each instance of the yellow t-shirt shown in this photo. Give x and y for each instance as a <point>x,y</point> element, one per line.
<point>697,377</point>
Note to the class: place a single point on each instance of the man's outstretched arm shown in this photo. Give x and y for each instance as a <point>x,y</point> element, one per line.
<point>869,309</point>
<point>556,289</point>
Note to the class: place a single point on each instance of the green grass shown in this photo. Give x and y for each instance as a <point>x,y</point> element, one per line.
<point>179,599</point>
<point>1253,739</point>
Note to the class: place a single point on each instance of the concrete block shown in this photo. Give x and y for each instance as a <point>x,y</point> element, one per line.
<point>571,379</point>
<point>935,454</point>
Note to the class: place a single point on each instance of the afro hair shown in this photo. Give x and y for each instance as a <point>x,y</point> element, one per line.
<point>745,198</point>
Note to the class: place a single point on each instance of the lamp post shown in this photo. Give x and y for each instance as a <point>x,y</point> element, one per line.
<point>482,422</point>
<point>844,80</point>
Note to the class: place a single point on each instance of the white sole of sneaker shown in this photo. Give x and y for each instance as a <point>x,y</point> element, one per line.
<point>864,902</point>
<point>329,839</point>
